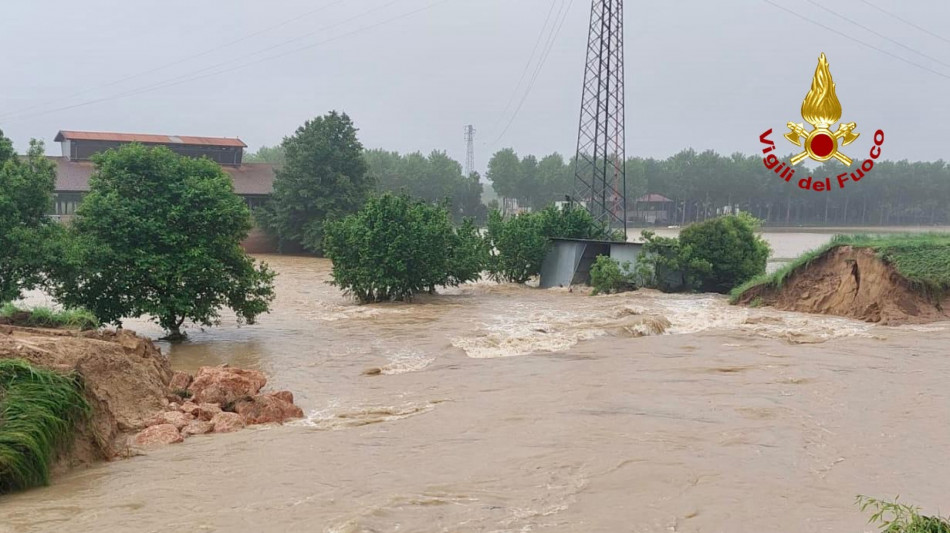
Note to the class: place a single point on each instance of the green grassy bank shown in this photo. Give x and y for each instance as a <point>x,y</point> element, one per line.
<point>43,317</point>
<point>924,259</point>
<point>39,411</point>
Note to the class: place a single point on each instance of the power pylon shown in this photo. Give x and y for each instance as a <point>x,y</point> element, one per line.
<point>470,155</point>
<point>600,168</point>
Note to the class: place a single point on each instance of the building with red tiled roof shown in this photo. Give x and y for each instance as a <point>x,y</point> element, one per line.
<point>252,181</point>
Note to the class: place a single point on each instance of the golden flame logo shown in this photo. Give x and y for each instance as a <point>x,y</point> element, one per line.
<point>821,108</point>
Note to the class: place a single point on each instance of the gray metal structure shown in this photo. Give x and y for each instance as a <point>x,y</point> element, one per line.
<point>600,168</point>
<point>470,150</point>
<point>569,260</point>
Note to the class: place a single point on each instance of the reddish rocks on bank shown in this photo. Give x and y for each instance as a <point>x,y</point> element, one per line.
<point>137,401</point>
<point>268,408</point>
<point>225,422</point>
<point>223,385</point>
<point>157,435</point>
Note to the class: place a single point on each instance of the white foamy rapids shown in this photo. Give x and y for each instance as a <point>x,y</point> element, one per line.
<point>404,362</point>
<point>522,331</point>
<point>334,417</point>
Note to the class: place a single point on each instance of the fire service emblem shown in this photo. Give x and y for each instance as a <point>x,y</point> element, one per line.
<point>821,109</point>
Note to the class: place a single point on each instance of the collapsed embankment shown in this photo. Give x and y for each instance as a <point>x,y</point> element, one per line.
<point>850,281</point>
<point>136,400</point>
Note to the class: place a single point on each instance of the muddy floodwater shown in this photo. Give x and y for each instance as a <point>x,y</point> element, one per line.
<point>500,408</point>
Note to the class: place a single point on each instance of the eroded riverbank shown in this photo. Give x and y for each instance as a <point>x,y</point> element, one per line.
<point>740,420</point>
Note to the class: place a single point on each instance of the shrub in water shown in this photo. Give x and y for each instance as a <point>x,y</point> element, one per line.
<point>521,242</point>
<point>715,255</point>
<point>396,247</point>
<point>609,276</point>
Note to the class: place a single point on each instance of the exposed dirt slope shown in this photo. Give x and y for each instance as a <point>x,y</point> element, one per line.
<point>126,379</point>
<point>855,283</point>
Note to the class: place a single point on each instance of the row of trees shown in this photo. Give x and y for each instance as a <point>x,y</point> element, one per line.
<point>397,247</point>
<point>324,172</point>
<point>158,235</point>
<point>703,184</point>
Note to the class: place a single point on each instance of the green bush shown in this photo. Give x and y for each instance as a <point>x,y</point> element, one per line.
<point>396,247</point>
<point>609,276</point>
<point>715,256</point>
<point>894,517</point>
<point>520,242</point>
<point>39,410</point>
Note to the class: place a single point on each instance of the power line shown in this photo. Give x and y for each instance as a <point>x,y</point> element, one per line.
<point>181,60</point>
<point>909,23</point>
<point>527,67</point>
<point>178,81</point>
<point>854,39</point>
<point>537,71</point>
<point>862,26</point>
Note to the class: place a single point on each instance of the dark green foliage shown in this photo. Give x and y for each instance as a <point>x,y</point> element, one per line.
<point>26,192</point>
<point>43,317</point>
<point>159,235</point>
<point>895,517</point>
<point>700,183</point>
<point>572,222</point>
<point>609,276</point>
<point>519,245</point>
<point>396,247</point>
<point>520,242</point>
<point>724,252</point>
<point>924,259</point>
<point>435,178</point>
<point>324,177</point>
<point>39,411</point>
<point>716,255</point>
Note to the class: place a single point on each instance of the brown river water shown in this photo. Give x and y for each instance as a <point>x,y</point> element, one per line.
<point>512,409</point>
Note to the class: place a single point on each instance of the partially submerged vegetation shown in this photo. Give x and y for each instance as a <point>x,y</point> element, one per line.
<point>923,259</point>
<point>895,517</point>
<point>44,317</point>
<point>39,410</point>
<point>713,256</point>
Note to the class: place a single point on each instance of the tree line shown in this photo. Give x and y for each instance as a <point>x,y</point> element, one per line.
<point>699,185</point>
<point>702,185</point>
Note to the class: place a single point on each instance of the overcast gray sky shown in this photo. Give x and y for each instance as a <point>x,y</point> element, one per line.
<point>700,73</point>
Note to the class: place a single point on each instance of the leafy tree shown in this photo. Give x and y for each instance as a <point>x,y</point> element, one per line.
<point>715,255</point>
<point>396,247</point>
<point>325,177</point>
<point>435,178</point>
<point>520,242</point>
<point>504,171</point>
<point>519,245</point>
<point>26,192</point>
<point>159,235</point>
<point>267,154</point>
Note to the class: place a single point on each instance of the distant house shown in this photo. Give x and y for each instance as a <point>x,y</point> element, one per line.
<point>252,181</point>
<point>652,209</point>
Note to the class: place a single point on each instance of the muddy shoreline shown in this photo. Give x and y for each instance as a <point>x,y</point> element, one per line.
<point>502,408</point>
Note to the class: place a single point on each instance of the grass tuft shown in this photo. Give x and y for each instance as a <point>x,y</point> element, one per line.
<point>44,317</point>
<point>39,410</point>
<point>895,517</point>
<point>924,259</point>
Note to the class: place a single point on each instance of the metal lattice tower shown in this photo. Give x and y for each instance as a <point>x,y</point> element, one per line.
<point>600,168</point>
<point>470,155</point>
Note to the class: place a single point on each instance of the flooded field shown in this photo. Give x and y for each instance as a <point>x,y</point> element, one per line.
<point>500,408</point>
